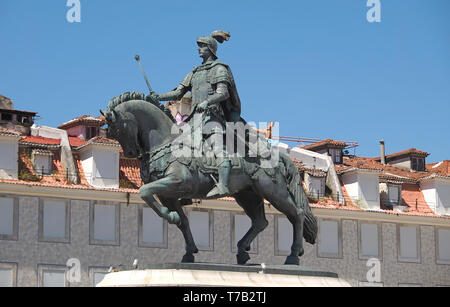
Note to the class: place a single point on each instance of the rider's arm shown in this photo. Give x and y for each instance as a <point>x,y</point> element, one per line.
<point>220,95</point>
<point>176,94</point>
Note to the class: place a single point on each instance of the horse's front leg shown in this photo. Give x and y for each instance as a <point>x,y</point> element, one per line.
<point>191,248</point>
<point>163,186</point>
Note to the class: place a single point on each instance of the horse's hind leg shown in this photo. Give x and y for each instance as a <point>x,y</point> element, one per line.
<point>253,206</point>
<point>191,248</point>
<point>282,201</point>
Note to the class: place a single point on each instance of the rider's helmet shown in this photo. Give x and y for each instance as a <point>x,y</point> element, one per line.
<point>210,41</point>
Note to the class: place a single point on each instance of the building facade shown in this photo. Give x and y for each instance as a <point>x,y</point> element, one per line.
<point>70,210</point>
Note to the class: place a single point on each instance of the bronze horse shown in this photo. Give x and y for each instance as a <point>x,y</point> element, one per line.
<point>144,130</point>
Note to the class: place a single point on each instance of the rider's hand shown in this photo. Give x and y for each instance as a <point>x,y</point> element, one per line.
<point>202,106</point>
<point>153,97</point>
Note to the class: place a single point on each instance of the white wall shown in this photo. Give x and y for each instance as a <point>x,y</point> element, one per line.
<point>404,163</point>
<point>443,195</point>
<point>363,188</point>
<point>77,131</point>
<point>322,162</point>
<point>429,193</point>
<point>101,165</point>
<point>369,189</point>
<point>9,155</point>
<point>350,181</point>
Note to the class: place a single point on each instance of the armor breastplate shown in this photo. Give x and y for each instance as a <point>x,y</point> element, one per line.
<point>200,86</point>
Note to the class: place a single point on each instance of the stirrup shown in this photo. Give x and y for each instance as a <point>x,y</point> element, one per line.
<point>218,191</point>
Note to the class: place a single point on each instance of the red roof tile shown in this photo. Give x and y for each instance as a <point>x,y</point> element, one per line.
<point>411,151</point>
<point>326,143</point>
<point>100,140</point>
<point>86,120</point>
<point>4,131</point>
<point>130,174</point>
<point>40,140</point>
<point>75,141</point>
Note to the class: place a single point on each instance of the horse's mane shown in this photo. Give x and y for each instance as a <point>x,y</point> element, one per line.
<point>113,103</point>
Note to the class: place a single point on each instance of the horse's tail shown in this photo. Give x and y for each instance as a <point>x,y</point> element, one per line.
<point>295,188</point>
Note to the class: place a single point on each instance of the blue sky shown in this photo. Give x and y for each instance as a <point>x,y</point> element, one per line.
<point>317,67</point>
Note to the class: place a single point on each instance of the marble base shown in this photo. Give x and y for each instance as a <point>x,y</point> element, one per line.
<point>221,275</point>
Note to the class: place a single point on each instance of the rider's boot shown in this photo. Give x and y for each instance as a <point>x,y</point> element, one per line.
<point>221,188</point>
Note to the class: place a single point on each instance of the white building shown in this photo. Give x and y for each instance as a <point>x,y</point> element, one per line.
<point>71,195</point>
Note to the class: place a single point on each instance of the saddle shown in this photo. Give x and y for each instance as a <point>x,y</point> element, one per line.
<point>155,163</point>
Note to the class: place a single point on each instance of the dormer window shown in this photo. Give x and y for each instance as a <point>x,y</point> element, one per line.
<point>330,147</point>
<point>336,155</point>
<point>418,164</point>
<point>23,119</point>
<point>6,117</point>
<point>42,161</point>
<point>91,132</point>
<point>393,194</point>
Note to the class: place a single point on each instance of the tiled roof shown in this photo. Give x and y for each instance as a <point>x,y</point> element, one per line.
<point>130,181</point>
<point>441,168</point>
<point>130,174</point>
<point>9,132</point>
<point>86,120</point>
<point>326,143</point>
<point>75,141</point>
<point>58,177</point>
<point>100,140</point>
<point>386,171</point>
<point>43,152</point>
<point>411,151</point>
<point>40,140</point>
<point>413,197</point>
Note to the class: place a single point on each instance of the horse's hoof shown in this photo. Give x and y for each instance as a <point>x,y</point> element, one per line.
<point>292,260</point>
<point>242,258</point>
<point>188,258</point>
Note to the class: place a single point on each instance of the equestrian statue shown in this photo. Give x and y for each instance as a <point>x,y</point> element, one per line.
<point>209,166</point>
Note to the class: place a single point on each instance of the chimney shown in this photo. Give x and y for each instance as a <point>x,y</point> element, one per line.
<point>383,153</point>
<point>6,103</point>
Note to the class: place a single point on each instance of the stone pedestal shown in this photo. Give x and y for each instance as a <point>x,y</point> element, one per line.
<point>221,275</point>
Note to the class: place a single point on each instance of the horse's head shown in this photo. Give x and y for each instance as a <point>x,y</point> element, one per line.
<point>123,127</point>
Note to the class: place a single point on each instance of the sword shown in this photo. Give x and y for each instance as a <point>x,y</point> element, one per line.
<point>138,59</point>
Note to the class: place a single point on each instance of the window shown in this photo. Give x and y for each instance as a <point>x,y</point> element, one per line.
<point>91,132</point>
<point>443,246</point>
<point>393,194</point>
<point>336,155</point>
<point>104,228</point>
<point>9,218</point>
<point>240,224</point>
<point>52,276</point>
<point>418,164</point>
<point>152,228</point>
<point>370,243</point>
<point>408,246</point>
<point>54,221</point>
<point>283,236</point>
<point>6,117</point>
<point>201,228</point>
<point>8,272</point>
<point>97,274</point>
<point>42,161</point>
<point>329,239</point>
<point>22,119</point>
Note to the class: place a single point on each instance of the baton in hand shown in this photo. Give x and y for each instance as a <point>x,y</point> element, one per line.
<point>138,59</point>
